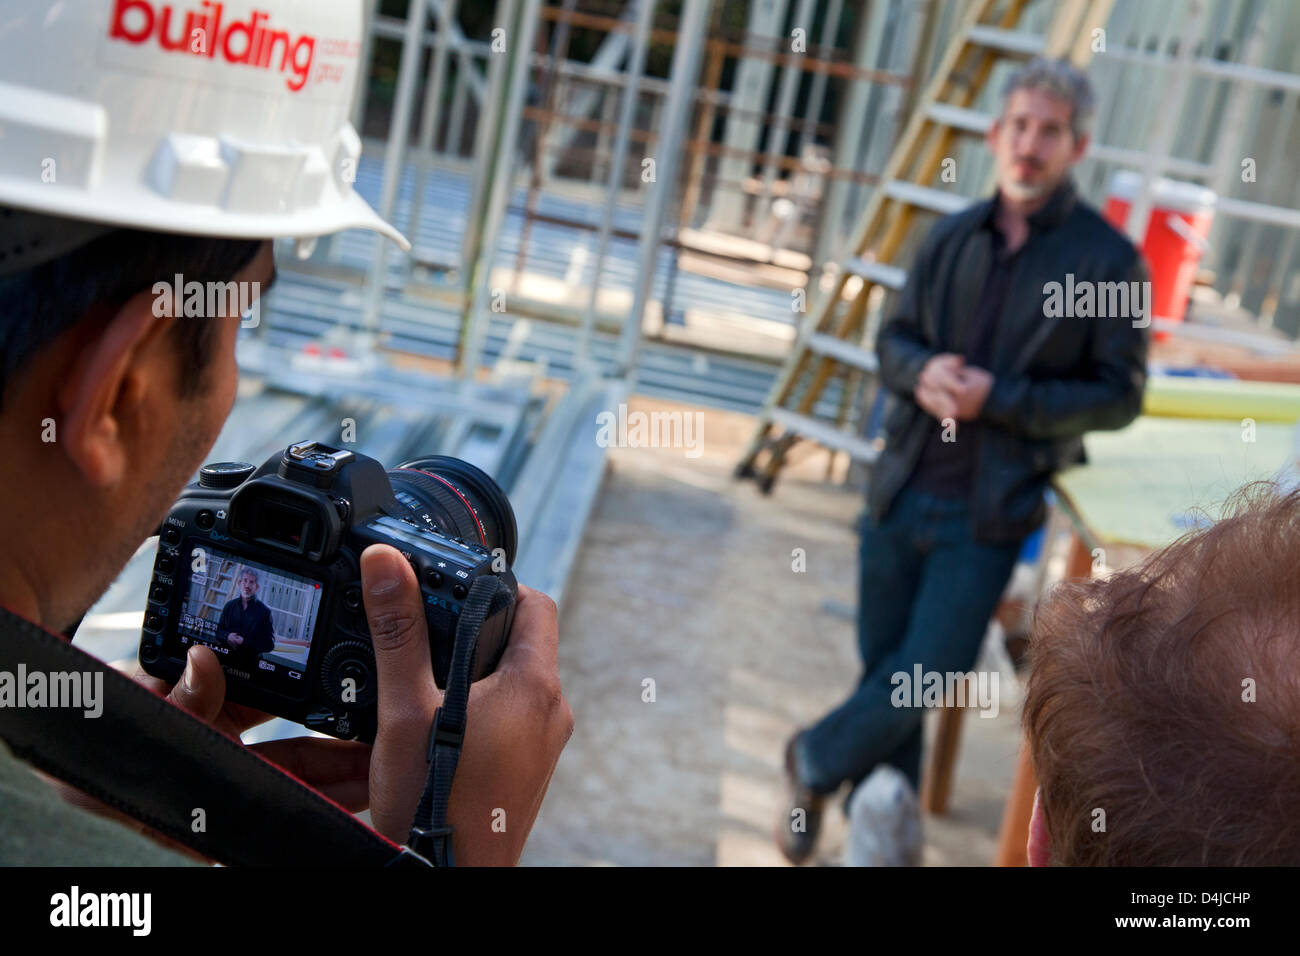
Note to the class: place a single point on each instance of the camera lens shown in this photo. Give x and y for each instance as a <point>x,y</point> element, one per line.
<point>456,499</point>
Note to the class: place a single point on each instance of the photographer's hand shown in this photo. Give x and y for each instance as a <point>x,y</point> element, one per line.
<point>339,769</point>
<point>519,720</point>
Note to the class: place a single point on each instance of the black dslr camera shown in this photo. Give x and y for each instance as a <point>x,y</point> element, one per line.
<point>262,566</point>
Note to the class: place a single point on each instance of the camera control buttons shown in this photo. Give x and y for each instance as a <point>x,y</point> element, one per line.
<point>459,591</point>
<point>171,535</point>
<point>323,721</point>
<point>166,564</point>
<point>225,474</point>
<point>354,671</point>
<point>348,674</point>
<point>352,598</point>
<point>205,519</point>
<point>159,593</point>
<point>433,578</point>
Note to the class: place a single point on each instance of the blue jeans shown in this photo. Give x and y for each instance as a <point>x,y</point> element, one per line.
<point>927,591</point>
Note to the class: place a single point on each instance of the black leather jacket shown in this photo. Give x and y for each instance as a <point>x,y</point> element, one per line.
<point>1055,376</point>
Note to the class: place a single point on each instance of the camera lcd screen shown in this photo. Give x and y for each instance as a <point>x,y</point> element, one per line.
<point>255,618</point>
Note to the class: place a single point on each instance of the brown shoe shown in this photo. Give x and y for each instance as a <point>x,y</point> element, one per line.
<point>801,814</point>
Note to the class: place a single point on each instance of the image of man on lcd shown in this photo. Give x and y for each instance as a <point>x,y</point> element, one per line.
<point>245,624</point>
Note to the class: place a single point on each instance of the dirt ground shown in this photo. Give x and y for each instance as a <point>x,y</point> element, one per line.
<point>685,579</point>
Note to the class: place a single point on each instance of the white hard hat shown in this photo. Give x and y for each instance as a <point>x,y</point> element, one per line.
<point>211,117</point>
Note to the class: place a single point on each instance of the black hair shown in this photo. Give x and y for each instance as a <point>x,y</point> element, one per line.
<point>40,304</point>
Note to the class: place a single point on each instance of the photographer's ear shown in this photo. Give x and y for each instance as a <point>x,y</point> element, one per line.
<point>111,386</point>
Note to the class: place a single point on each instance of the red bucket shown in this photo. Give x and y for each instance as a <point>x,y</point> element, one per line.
<point>1177,235</point>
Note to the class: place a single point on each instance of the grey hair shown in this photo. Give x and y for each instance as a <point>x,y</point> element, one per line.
<point>1062,79</point>
<point>250,572</point>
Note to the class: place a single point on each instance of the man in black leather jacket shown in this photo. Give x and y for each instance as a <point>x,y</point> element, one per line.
<point>245,625</point>
<point>1022,325</point>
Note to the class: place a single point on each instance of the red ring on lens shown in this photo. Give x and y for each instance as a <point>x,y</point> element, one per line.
<point>482,536</point>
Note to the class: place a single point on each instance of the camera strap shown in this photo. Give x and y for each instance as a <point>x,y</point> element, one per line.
<point>144,756</point>
<point>430,835</point>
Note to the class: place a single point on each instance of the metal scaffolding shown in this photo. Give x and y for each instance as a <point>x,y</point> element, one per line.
<point>767,145</point>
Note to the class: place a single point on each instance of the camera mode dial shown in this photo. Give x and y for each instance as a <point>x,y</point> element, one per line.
<point>225,474</point>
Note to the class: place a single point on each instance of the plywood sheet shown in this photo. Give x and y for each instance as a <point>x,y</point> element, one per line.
<point>1143,484</point>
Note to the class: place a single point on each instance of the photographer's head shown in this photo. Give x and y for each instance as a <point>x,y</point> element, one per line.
<point>1163,707</point>
<point>133,167</point>
<point>129,166</point>
<point>1043,129</point>
<point>108,403</point>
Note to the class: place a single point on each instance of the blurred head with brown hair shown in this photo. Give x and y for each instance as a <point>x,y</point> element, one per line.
<point>1163,705</point>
